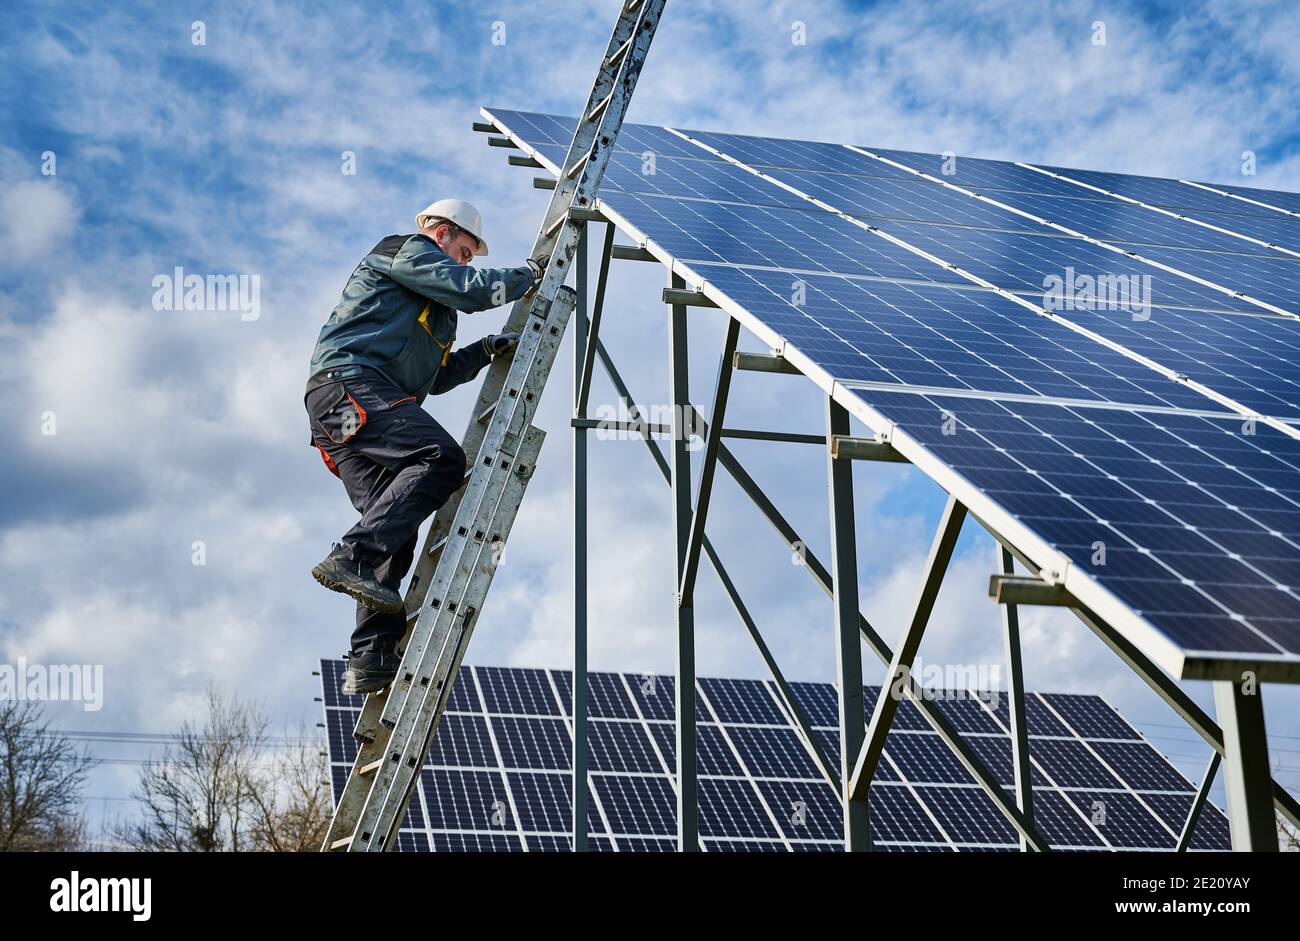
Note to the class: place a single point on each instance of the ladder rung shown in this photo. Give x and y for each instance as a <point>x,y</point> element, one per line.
<point>339,844</point>
<point>555,226</point>
<point>370,768</point>
<point>620,52</point>
<point>484,415</point>
<point>578,165</point>
<point>596,112</point>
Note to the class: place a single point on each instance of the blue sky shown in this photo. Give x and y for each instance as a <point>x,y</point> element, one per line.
<point>225,157</point>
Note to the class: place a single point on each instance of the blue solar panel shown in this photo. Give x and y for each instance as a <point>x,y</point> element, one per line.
<point>759,789</point>
<point>1114,221</point>
<point>1156,491</point>
<point>1275,198</point>
<point>1170,194</point>
<point>944,337</point>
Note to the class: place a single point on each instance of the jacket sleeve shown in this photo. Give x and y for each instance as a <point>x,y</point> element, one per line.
<point>462,365</point>
<point>424,268</point>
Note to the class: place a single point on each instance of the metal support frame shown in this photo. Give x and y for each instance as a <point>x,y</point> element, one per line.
<point>1020,758</point>
<point>900,667</point>
<point>712,440</point>
<point>1246,775</point>
<point>848,642</point>
<point>1255,793</point>
<point>1160,683</point>
<point>580,344</point>
<point>1202,793</point>
<point>946,731</point>
<point>679,399</point>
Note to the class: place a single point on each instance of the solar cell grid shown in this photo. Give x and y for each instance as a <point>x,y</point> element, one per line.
<point>1156,191</point>
<point>1275,198</point>
<point>773,796</point>
<point>1080,489</point>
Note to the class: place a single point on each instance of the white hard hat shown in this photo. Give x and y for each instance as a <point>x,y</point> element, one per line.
<point>459,212</point>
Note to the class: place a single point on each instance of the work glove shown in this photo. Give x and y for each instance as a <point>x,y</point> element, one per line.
<point>537,265</point>
<point>499,343</point>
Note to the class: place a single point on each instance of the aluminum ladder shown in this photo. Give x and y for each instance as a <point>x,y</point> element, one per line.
<point>455,568</point>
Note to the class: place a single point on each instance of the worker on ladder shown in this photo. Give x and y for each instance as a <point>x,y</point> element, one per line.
<point>386,346</point>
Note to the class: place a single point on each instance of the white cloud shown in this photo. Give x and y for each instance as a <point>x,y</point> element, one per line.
<point>35,216</point>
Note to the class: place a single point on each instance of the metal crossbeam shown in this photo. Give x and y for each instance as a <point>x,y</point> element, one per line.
<point>900,666</point>
<point>802,723</point>
<point>1202,794</point>
<point>940,723</point>
<point>709,465</point>
<point>946,731</point>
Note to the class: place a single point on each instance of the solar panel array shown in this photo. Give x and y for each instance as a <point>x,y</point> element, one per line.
<point>1163,428</point>
<point>498,775</point>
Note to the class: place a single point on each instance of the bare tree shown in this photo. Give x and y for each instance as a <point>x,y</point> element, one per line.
<point>291,804</point>
<point>41,779</point>
<point>1288,837</point>
<point>195,798</point>
<point>221,787</point>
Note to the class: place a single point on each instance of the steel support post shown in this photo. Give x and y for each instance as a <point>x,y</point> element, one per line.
<point>848,641</point>
<point>580,344</point>
<point>1202,793</point>
<point>1020,760</point>
<point>1246,775</point>
<point>679,394</point>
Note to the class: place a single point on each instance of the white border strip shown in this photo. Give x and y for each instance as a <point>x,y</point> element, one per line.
<point>1160,209</point>
<point>1245,199</point>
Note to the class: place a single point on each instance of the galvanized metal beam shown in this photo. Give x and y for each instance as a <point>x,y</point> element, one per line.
<point>1202,794</point>
<point>584,367</point>
<point>634,427</point>
<point>1246,775</point>
<point>848,639</point>
<point>765,362</point>
<point>679,398</point>
<point>1019,721</point>
<point>632,253</point>
<point>850,448</point>
<point>785,436</point>
<point>1021,589</point>
<point>681,297</point>
<point>708,466</point>
<point>579,693</point>
<point>900,666</point>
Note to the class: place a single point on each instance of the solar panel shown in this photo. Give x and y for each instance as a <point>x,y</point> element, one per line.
<point>1157,431</point>
<point>498,778</point>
